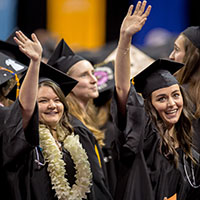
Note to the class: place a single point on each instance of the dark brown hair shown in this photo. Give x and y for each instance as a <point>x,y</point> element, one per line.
<point>189,75</point>
<point>183,129</point>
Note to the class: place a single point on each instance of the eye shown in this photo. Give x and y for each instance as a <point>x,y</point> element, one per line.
<point>83,74</point>
<point>42,101</point>
<point>161,99</point>
<point>176,95</point>
<point>57,100</point>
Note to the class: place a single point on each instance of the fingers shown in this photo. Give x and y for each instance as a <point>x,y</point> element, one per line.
<point>19,43</point>
<point>140,7</point>
<point>34,38</point>
<point>141,10</point>
<point>147,12</point>
<point>137,8</point>
<point>130,10</point>
<point>21,36</point>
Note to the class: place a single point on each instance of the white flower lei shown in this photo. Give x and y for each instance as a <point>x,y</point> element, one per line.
<point>56,166</point>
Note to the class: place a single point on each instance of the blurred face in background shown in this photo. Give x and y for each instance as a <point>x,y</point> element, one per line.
<point>86,89</point>
<point>178,52</point>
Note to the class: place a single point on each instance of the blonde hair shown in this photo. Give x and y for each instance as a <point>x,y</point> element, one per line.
<point>87,118</point>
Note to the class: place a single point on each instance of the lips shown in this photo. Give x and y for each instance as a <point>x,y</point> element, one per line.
<point>171,113</point>
<point>51,113</point>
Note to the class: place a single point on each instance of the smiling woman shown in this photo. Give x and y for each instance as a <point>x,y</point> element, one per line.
<point>51,108</point>
<point>169,104</point>
<point>81,111</point>
<point>157,154</point>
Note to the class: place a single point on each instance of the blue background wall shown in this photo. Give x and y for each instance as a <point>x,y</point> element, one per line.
<point>169,15</point>
<point>8,19</point>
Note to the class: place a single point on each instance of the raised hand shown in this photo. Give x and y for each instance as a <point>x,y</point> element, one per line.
<point>133,23</point>
<point>31,48</point>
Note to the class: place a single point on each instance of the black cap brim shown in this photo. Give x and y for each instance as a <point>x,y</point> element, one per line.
<point>14,67</point>
<point>65,82</point>
<point>157,75</point>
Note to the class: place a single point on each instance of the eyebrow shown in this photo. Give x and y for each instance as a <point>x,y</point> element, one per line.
<point>175,45</point>
<point>161,95</point>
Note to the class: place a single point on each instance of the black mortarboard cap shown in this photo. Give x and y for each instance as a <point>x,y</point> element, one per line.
<point>63,58</point>
<point>105,76</point>
<point>13,51</point>
<point>10,38</point>
<point>193,34</point>
<point>9,67</point>
<point>65,82</point>
<point>156,76</point>
<point>48,72</point>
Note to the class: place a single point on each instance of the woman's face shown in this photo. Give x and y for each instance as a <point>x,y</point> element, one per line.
<point>86,88</point>
<point>169,104</point>
<point>179,50</point>
<point>51,108</point>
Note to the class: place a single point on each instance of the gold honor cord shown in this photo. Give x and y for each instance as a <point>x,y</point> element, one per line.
<point>16,79</point>
<point>97,154</point>
<point>132,81</point>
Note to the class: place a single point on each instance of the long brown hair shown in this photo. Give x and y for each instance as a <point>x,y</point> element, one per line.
<point>87,118</point>
<point>183,129</point>
<point>64,121</point>
<point>190,73</point>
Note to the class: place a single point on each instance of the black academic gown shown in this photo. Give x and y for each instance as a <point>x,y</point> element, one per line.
<point>14,144</point>
<point>110,153</point>
<point>145,173</point>
<point>99,190</point>
<point>22,178</point>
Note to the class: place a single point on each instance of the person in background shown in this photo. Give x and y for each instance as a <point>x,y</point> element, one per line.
<point>19,122</point>
<point>104,73</point>
<point>13,69</point>
<point>187,51</point>
<point>157,157</point>
<point>82,111</point>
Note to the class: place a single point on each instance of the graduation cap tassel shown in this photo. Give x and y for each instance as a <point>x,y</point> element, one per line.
<point>16,79</point>
<point>18,84</point>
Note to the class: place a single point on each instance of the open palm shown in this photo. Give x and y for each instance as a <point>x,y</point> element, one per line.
<point>133,23</point>
<point>31,48</point>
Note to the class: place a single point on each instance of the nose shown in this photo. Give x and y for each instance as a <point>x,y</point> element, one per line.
<point>93,79</point>
<point>51,104</point>
<point>171,102</point>
<point>171,56</point>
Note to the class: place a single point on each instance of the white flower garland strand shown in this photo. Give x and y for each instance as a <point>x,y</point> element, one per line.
<point>56,166</point>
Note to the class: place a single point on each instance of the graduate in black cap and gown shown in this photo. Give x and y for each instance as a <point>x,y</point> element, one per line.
<point>56,166</point>
<point>157,159</point>
<point>106,82</point>
<point>187,51</point>
<point>6,82</point>
<point>81,111</point>
<point>19,122</point>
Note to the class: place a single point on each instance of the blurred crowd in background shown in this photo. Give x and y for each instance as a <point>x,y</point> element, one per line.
<point>91,27</point>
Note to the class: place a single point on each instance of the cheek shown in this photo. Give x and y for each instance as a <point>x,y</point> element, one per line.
<point>179,57</point>
<point>159,107</point>
<point>41,111</point>
<point>180,103</point>
<point>80,87</point>
<point>61,109</point>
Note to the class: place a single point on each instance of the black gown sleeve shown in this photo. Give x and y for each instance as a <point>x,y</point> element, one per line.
<point>14,139</point>
<point>135,114</point>
<point>99,189</point>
